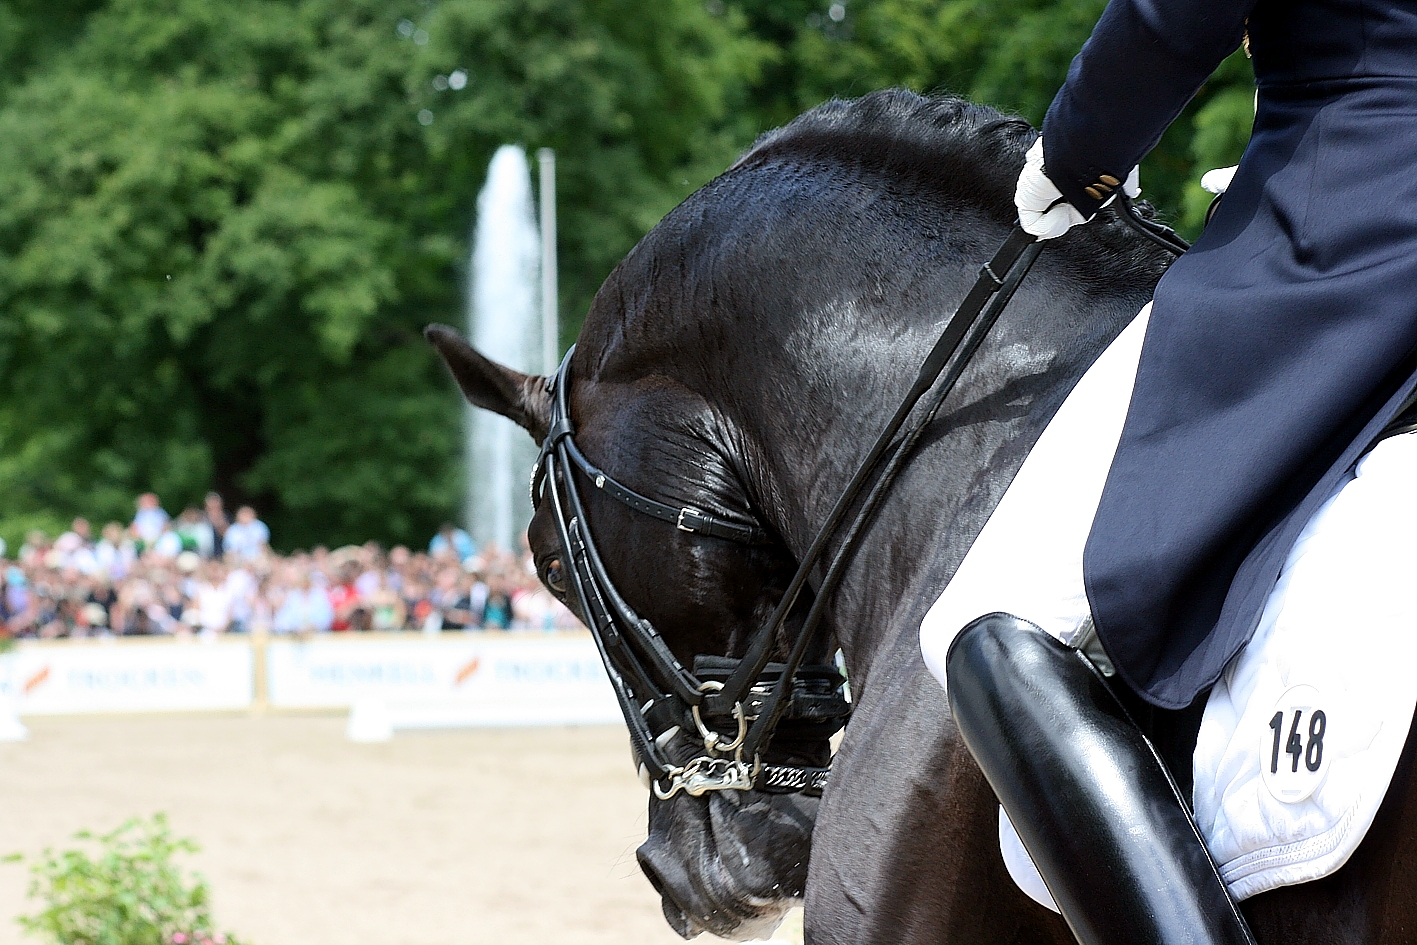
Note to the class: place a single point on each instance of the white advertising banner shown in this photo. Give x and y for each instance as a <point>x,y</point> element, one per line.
<point>448,680</point>
<point>128,676</point>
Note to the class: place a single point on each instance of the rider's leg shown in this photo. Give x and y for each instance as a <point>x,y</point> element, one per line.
<point>1091,800</point>
<point>1088,796</point>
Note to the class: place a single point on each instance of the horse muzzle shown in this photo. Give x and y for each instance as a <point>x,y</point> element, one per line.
<point>731,863</point>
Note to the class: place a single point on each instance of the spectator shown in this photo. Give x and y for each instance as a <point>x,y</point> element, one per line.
<point>266,599</point>
<point>150,520</point>
<point>212,599</point>
<point>497,604</point>
<point>172,601</point>
<point>452,541</point>
<point>372,577</point>
<point>115,553</point>
<point>19,602</point>
<point>214,511</point>
<point>125,585</point>
<point>36,546</point>
<point>534,608</point>
<point>196,533</point>
<point>345,601</point>
<point>242,588</point>
<point>386,608</point>
<point>75,548</point>
<point>90,619</point>
<point>418,606</point>
<point>138,610</point>
<point>167,544</point>
<point>103,597</point>
<point>400,560</point>
<point>6,612</point>
<point>304,609</point>
<point>248,538</point>
<point>69,616</point>
<point>452,600</point>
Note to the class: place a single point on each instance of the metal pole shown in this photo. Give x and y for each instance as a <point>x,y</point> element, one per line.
<point>550,339</point>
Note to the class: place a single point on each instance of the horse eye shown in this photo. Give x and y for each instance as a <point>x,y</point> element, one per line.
<point>555,579</point>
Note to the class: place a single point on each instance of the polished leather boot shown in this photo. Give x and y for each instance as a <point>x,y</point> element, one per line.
<point>1092,801</point>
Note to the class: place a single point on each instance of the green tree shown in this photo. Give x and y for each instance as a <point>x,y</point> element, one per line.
<point>222,225</point>
<point>1010,53</point>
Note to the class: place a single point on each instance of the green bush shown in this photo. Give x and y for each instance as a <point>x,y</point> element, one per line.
<point>128,892</point>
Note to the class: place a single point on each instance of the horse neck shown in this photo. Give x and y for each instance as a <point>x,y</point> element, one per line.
<point>812,435</point>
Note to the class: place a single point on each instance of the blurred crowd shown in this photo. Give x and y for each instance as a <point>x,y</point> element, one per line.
<point>206,572</point>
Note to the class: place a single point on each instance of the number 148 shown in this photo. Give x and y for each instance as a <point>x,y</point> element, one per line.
<point>1313,755</point>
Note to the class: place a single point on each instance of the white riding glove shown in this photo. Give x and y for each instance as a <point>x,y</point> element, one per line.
<point>1218,180</point>
<point>1042,211</point>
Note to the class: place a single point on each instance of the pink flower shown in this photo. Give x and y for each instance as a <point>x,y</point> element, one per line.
<point>220,938</point>
<point>179,938</point>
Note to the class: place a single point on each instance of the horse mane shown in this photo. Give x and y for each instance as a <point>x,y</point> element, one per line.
<point>955,147</point>
<point>944,167</point>
<point>956,152</point>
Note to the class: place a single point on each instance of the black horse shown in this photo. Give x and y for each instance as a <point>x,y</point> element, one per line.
<point>740,360</point>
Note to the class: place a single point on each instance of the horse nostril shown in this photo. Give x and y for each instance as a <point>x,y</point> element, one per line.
<point>674,914</point>
<point>650,872</point>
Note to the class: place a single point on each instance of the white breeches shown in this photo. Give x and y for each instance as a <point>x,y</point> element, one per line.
<point>1027,560</point>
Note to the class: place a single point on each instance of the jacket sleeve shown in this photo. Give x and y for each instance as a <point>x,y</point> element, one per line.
<point>1142,64</point>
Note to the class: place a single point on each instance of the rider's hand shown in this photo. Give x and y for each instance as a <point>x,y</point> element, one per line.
<point>1042,211</point>
<point>1218,180</point>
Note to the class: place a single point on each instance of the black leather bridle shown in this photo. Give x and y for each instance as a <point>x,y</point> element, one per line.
<point>659,698</point>
<point>728,710</point>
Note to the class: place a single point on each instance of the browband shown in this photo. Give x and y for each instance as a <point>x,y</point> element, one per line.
<point>686,519</point>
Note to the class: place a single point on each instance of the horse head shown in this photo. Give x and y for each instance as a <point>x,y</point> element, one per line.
<point>727,862</point>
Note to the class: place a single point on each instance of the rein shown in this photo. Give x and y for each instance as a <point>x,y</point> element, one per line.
<point>751,698</point>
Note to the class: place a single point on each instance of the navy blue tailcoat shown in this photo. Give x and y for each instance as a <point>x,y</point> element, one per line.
<point>1281,344</point>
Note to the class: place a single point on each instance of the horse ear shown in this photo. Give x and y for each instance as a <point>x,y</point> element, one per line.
<point>520,397</point>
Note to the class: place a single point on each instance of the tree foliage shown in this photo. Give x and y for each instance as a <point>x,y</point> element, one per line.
<point>223,222</point>
<point>1009,53</point>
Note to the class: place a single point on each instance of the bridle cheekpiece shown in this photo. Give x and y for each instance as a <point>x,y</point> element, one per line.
<point>665,705</point>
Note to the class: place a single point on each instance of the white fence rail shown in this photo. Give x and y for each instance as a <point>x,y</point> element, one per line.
<point>449,679</point>
<point>446,680</point>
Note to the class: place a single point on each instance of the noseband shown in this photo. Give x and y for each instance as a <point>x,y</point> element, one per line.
<point>734,706</point>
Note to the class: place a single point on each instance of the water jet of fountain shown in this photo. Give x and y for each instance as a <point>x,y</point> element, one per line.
<point>504,323</point>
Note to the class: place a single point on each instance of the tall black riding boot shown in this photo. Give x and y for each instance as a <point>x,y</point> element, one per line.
<point>1090,798</point>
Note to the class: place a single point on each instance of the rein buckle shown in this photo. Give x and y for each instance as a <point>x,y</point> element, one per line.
<point>688,511</point>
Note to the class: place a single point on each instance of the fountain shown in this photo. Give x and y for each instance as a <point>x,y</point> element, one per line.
<point>504,323</point>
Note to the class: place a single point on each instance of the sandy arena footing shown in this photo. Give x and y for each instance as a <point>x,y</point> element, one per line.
<point>460,837</point>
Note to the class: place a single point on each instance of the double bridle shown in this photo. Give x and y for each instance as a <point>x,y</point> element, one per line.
<point>727,710</point>
<point>658,696</point>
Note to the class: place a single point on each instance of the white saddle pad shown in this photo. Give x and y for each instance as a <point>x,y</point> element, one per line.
<point>1302,734</point>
